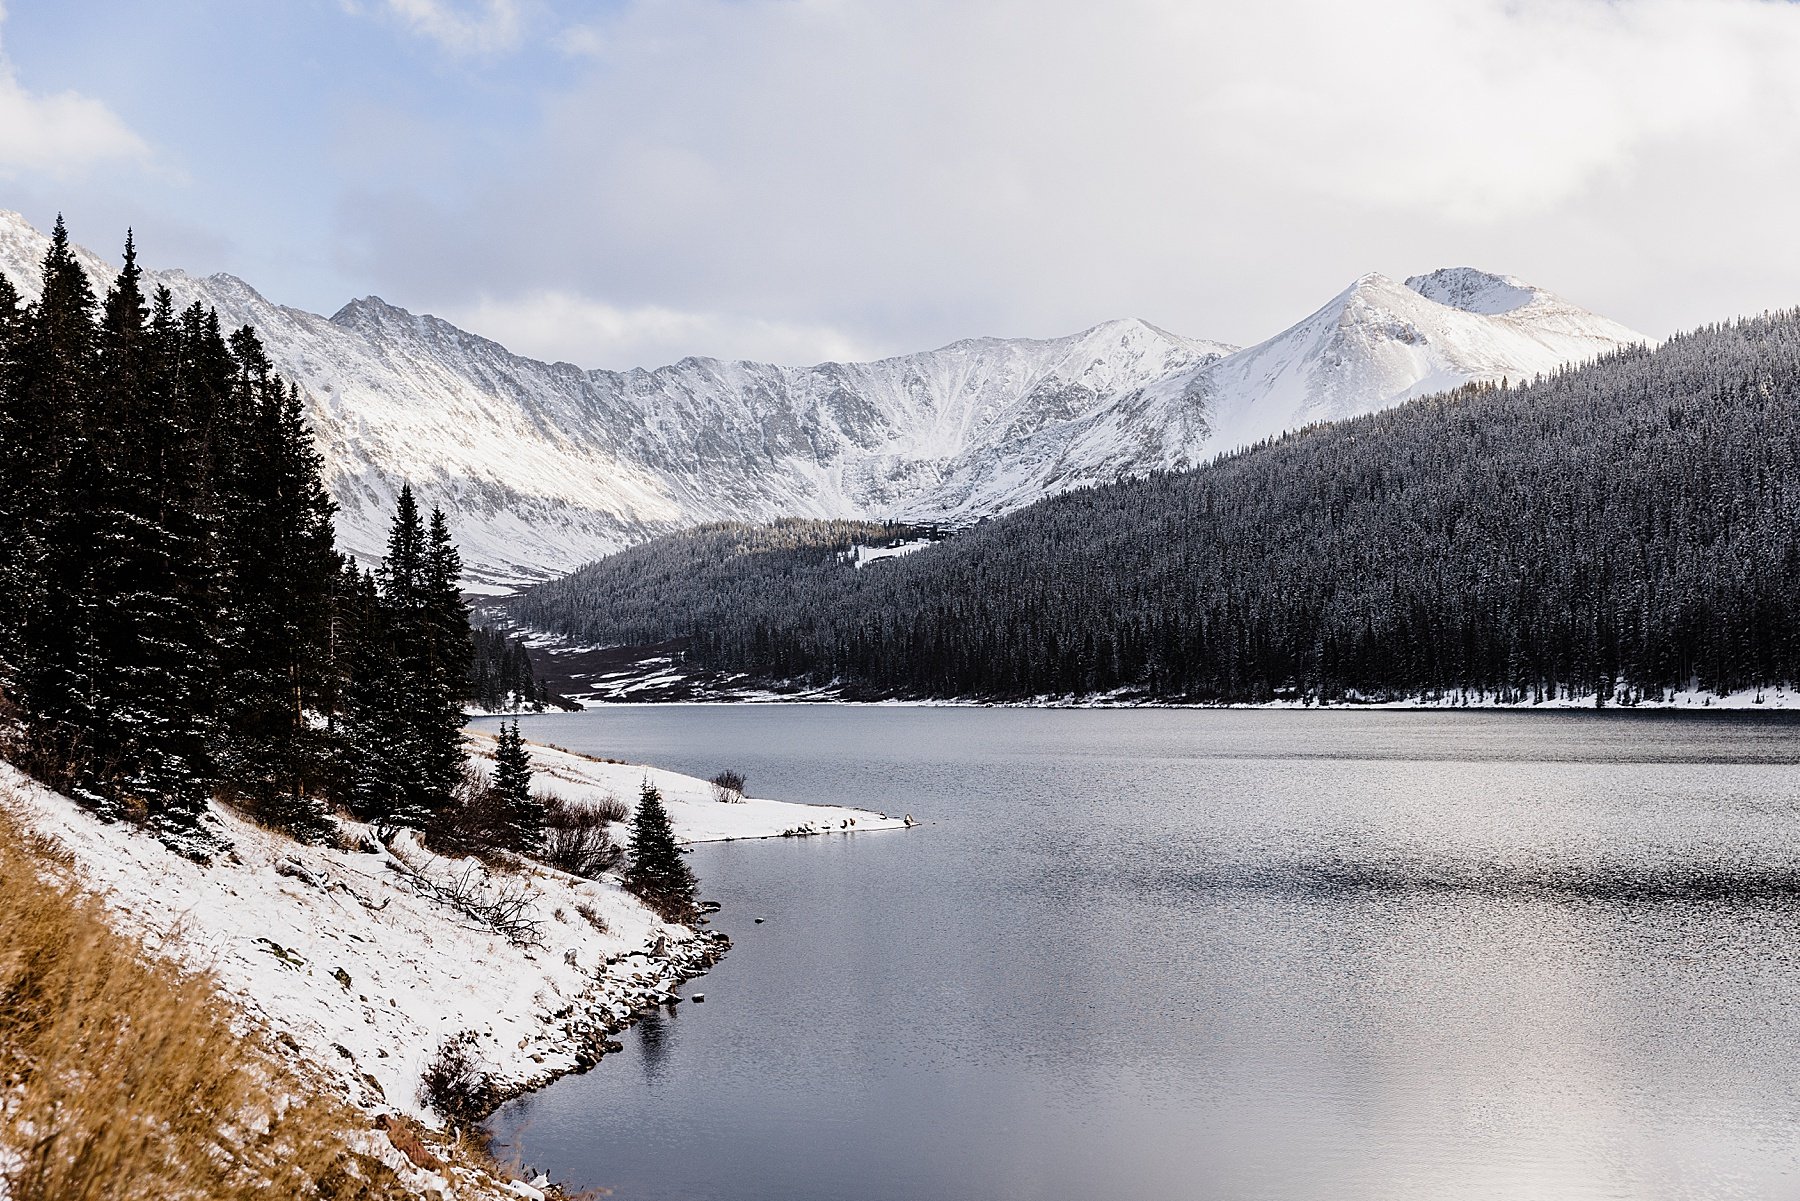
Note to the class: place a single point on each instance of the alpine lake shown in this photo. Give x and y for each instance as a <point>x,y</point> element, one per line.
<point>1217,954</point>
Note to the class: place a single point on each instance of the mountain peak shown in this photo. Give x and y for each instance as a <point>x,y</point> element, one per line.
<point>1475,291</point>
<point>366,310</point>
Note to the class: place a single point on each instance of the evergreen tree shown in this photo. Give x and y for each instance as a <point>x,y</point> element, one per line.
<point>656,872</point>
<point>58,479</point>
<point>151,721</point>
<point>447,651</point>
<point>12,493</point>
<point>409,657</point>
<point>501,676</point>
<point>169,543</point>
<point>378,770</point>
<point>430,761</point>
<point>520,815</point>
<point>281,571</point>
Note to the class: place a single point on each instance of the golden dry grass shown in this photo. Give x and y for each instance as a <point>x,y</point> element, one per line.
<point>122,1078</point>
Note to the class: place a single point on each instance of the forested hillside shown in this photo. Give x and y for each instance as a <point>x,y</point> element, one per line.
<point>176,625</point>
<point>1615,531</point>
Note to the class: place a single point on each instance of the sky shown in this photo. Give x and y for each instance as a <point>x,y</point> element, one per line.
<point>625,182</point>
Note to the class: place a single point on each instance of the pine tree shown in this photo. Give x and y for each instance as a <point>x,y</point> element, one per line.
<point>281,571</point>
<point>520,815</point>
<point>403,755</point>
<point>56,481</point>
<point>12,493</point>
<point>656,871</point>
<point>447,651</point>
<point>151,640</point>
<point>376,742</point>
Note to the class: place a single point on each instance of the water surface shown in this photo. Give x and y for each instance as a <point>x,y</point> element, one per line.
<point>1180,954</point>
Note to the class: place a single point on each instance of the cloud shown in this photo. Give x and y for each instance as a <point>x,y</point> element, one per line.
<point>582,41</point>
<point>58,135</point>
<point>476,27</point>
<point>562,326</point>
<point>904,172</point>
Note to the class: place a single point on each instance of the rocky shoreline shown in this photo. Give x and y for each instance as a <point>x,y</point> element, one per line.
<point>625,989</point>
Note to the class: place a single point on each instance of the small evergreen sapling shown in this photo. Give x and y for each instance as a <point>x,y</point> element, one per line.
<point>656,872</point>
<point>521,815</point>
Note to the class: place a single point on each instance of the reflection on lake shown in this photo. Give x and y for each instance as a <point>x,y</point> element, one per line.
<point>1177,954</point>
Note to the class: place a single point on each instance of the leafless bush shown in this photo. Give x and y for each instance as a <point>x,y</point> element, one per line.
<point>503,906</point>
<point>728,786</point>
<point>609,809</point>
<point>455,1085</point>
<point>592,917</point>
<point>577,838</point>
<point>474,821</point>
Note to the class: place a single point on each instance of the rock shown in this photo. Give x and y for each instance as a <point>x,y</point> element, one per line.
<point>699,997</point>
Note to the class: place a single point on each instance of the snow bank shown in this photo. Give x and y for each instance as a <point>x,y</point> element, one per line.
<point>695,814</point>
<point>352,964</point>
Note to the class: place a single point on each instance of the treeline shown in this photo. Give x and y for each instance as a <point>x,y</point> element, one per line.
<point>1613,532</point>
<point>501,678</point>
<point>175,622</point>
<point>706,578</point>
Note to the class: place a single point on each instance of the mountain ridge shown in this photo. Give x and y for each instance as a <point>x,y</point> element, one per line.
<point>544,466</point>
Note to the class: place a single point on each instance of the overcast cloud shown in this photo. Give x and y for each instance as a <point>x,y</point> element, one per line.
<point>805,179</point>
<point>60,135</point>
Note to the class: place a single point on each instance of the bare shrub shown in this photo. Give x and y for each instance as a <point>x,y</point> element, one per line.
<point>592,916</point>
<point>455,1085</point>
<point>503,906</point>
<point>728,786</point>
<point>474,821</point>
<point>609,809</point>
<point>578,838</point>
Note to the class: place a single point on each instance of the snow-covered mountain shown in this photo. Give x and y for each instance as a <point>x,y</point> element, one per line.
<point>544,466</point>
<point>1379,342</point>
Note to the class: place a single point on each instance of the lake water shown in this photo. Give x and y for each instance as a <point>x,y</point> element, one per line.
<point>1200,954</point>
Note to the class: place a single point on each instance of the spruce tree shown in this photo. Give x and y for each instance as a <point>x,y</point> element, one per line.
<point>376,742</point>
<point>281,569</point>
<point>12,493</point>
<point>520,816</point>
<point>151,721</point>
<point>403,755</point>
<point>656,872</point>
<point>446,653</point>
<point>57,481</point>
<point>411,671</point>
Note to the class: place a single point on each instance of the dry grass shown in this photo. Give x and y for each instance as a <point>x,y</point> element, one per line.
<point>122,1079</point>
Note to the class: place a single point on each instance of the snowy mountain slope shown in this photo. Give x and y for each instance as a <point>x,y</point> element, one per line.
<point>544,466</point>
<point>1380,342</point>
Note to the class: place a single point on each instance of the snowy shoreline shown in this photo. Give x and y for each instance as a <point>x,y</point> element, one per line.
<point>1748,700</point>
<point>348,959</point>
<point>1773,701</point>
<point>664,679</point>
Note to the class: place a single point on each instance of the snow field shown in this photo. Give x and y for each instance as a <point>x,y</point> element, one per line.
<point>697,817</point>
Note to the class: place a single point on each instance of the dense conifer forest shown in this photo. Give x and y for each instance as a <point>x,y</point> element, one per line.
<point>175,622</point>
<point>1613,532</point>
<point>501,678</point>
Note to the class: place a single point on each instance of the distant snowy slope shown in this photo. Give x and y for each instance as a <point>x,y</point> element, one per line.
<point>544,466</point>
<point>1380,342</point>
